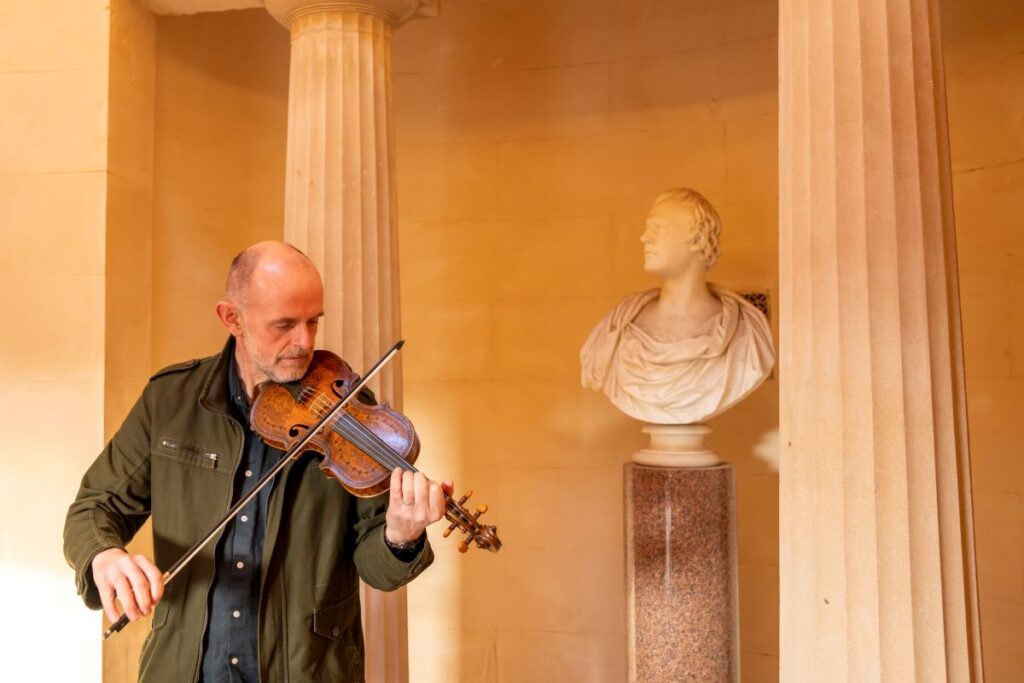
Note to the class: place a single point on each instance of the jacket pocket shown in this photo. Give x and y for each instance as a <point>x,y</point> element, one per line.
<point>186,453</point>
<point>336,619</point>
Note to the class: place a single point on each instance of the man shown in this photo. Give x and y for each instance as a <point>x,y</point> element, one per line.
<point>276,598</point>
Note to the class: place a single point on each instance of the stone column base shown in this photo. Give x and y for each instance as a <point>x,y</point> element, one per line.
<point>676,446</point>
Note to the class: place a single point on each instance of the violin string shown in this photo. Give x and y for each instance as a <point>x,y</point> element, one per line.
<point>370,443</point>
<point>361,437</point>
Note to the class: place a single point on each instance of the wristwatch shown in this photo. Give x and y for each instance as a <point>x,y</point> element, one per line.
<point>405,551</point>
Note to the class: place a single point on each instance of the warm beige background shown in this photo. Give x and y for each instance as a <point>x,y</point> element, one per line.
<point>54,62</point>
<point>984,52</point>
<point>532,137</point>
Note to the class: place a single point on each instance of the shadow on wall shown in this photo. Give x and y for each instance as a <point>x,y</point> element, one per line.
<point>747,435</point>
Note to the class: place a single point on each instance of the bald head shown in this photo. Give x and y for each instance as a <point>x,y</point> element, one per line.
<point>252,266</point>
<point>272,305</point>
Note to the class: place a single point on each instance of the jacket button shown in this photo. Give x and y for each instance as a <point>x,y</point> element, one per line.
<point>336,632</point>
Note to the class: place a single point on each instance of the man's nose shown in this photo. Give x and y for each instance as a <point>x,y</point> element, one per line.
<point>303,337</point>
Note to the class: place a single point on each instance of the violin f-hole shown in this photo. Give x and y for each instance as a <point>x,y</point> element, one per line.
<point>297,430</point>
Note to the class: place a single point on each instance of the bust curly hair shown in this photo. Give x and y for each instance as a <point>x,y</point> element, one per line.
<point>707,226</point>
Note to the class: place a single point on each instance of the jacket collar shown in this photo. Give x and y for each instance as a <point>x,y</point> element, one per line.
<point>215,395</point>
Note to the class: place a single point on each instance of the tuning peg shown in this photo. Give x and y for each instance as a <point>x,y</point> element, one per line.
<point>466,521</point>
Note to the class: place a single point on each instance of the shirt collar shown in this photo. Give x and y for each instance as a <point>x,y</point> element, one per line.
<point>236,388</point>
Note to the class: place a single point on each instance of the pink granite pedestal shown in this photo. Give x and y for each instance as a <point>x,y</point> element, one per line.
<point>681,577</point>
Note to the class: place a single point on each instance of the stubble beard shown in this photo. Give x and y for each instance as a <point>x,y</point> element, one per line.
<point>283,377</point>
<point>267,367</point>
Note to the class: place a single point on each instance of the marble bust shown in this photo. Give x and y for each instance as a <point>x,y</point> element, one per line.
<point>688,350</point>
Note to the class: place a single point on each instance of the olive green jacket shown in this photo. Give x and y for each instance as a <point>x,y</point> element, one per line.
<point>175,458</point>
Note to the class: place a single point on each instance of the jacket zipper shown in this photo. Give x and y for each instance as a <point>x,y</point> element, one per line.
<point>175,446</point>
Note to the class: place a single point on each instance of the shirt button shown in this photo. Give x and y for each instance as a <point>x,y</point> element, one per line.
<point>236,614</point>
<point>234,660</point>
<point>240,565</point>
<point>244,518</point>
<point>248,473</point>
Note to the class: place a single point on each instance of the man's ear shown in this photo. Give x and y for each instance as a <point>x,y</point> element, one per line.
<point>229,316</point>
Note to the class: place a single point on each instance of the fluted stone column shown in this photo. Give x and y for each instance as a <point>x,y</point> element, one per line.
<point>876,557</point>
<point>340,208</point>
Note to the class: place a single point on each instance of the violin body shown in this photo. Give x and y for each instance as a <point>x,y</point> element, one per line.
<point>283,413</point>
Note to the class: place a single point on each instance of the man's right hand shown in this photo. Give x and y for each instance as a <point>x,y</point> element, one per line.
<point>133,579</point>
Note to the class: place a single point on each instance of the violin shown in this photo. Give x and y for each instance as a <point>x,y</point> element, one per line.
<point>361,445</point>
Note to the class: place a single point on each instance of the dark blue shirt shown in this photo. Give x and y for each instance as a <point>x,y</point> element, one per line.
<point>229,644</point>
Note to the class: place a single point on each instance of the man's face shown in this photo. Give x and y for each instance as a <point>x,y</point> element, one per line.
<point>667,238</point>
<point>279,320</point>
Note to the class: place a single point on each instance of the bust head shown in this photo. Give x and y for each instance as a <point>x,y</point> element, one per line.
<point>682,228</point>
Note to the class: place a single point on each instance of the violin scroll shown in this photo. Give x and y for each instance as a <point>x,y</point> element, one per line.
<point>485,537</point>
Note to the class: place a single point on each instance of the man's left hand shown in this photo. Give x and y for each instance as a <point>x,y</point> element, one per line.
<point>416,503</point>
